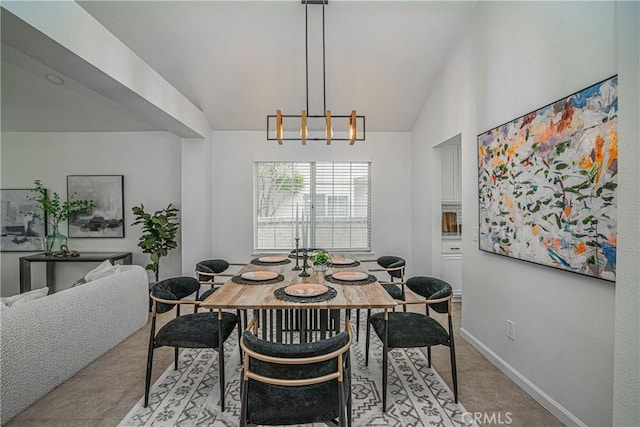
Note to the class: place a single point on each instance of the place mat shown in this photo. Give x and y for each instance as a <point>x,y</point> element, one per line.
<point>370,279</point>
<point>353,264</point>
<point>242,281</point>
<point>281,294</point>
<point>256,261</point>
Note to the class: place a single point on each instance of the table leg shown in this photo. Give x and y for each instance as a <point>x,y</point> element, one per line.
<point>25,276</point>
<point>279,325</point>
<point>324,323</point>
<point>51,275</point>
<point>303,325</point>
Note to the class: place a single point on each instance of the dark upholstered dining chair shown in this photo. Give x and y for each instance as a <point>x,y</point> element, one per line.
<point>207,271</point>
<point>197,330</point>
<point>285,384</point>
<point>411,330</point>
<point>395,266</point>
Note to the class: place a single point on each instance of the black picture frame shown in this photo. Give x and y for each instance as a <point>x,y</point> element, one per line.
<point>106,218</point>
<point>19,233</point>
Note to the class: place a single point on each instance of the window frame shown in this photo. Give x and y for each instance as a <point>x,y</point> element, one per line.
<point>312,194</point>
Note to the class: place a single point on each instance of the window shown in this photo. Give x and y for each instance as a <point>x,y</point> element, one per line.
<point>325,204</point>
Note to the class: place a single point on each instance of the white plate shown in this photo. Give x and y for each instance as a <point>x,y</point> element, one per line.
<point>341,261</point>
<point>306,290</point>
<point>272,259</point>
<point>350,276</point>
<point>259,275</point>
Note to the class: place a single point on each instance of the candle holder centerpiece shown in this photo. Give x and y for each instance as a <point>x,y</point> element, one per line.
<point>305,257</point>
<point>297,267</point>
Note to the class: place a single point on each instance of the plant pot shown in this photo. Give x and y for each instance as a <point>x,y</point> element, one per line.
<point>320,267</point>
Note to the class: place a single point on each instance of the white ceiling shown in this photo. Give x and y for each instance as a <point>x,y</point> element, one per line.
<point>240,60</point>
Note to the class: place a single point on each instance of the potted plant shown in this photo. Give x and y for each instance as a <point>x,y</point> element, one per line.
<point>320,260</point>
<point>56,212</point>
<point>159,232</point>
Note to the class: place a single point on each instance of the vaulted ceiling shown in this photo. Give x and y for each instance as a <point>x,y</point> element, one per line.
<point>240,60</point>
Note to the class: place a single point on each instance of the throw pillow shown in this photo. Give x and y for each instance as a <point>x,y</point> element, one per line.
<point>103,270</point>
<point>24,298</point>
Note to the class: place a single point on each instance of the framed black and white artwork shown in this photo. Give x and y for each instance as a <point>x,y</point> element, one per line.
<point>106,218</point>
<point>21,232</point>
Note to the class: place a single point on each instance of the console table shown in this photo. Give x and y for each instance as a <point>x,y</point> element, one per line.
<point>50,260</point>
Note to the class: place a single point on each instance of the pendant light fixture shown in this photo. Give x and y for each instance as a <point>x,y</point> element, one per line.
<point>352,125</point>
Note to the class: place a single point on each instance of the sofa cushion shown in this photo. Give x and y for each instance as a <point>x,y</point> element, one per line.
<point>24,298</point>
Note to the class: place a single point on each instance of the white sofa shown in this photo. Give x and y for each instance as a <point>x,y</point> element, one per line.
<point>48,340</point>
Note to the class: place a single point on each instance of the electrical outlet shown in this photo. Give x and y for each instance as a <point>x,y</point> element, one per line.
<point>475,234</point>
<point>511,330</point>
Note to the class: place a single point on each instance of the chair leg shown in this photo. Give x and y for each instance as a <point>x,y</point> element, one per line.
<point>349,401</point>
<point>429,357</point>
<point>452,352</point>
<point>385,363</point>
<point>147,384</point>
<point>239,334</point>
<point>454,372</point>
<point>244,403</point>
<point>357,324</point>
<point>221,363</point>
<point>341,405</point>
<point>176,350</point>
<point>366,352</point>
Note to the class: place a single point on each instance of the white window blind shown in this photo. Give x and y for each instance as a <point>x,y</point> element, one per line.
<point>325,204</point>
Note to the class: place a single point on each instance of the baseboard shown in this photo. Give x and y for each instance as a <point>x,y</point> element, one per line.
<point>558,411</point>
<point>457,296</point>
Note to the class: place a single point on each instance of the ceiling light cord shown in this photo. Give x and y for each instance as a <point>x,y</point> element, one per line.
<point>305,116</point>
<point>306,47</point>
<point>324,66</point>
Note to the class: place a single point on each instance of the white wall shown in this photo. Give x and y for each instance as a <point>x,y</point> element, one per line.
<point>446,114</point>
<point>626,392</point>
<point>197,208</point>
<point>149,161</point>
<point>233,157</point>
<point>513,60</point>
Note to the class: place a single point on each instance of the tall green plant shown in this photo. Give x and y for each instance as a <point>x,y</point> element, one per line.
<point>159,232</point>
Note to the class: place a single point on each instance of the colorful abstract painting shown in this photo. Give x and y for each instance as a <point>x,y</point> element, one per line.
<point>547,184</point>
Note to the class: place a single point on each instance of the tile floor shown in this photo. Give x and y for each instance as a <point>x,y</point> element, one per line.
<point>102,394</point>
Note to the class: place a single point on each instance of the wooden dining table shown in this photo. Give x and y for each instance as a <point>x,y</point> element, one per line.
<point>261,298</point>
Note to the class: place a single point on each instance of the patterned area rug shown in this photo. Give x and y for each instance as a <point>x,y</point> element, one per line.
<point>417,396</point>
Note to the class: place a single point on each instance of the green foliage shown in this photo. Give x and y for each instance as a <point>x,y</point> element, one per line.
<point>54,209</point>
<point>159,232</point>
<point>276,183</point>
<point>320,258</point>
